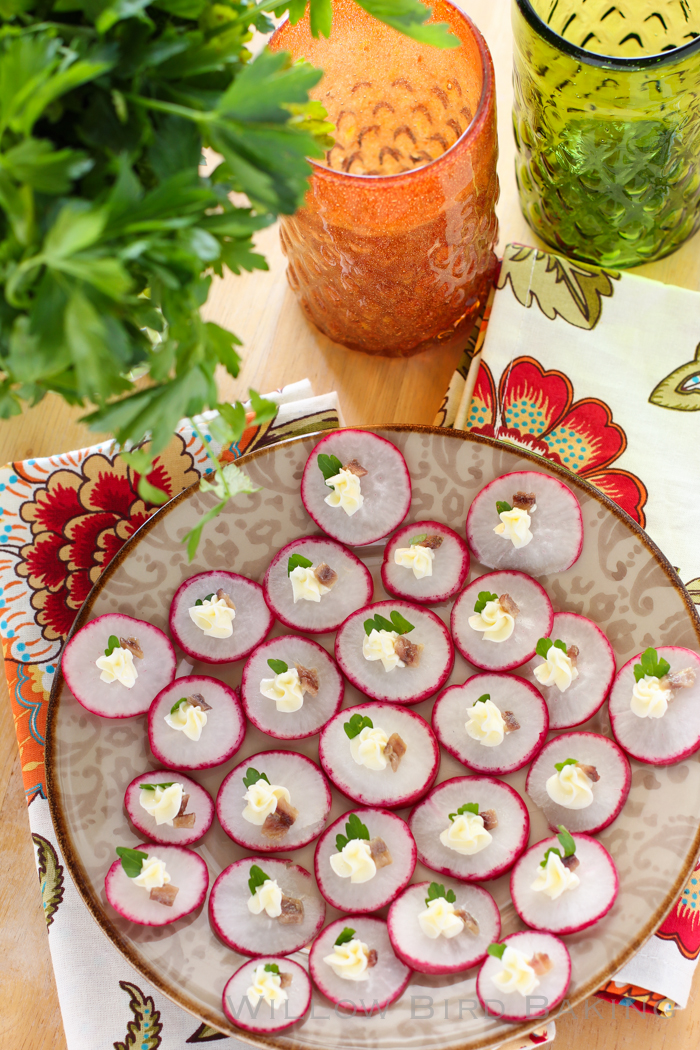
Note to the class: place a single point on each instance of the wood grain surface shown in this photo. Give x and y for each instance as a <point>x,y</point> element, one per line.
<point>280,347</point>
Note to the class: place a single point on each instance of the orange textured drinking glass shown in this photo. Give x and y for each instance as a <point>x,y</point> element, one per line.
<point>393,251</point>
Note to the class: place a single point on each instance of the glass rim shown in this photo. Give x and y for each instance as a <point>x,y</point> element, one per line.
<point>594,58</point>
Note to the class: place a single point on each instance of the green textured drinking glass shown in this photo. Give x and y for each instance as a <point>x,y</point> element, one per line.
<point>607,125</point>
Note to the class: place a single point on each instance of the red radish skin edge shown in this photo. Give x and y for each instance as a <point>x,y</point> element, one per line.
<point>114,870</point>
<point>248,1027</point>
<point>312,464</point>
<point>533,1013</point>
<point>423,526</point>
<point>339,925</point>
<point>210,765</point>
<point>143,828</point>
<point>224,659</point>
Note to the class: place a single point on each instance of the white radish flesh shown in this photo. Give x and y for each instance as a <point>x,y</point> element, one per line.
<point>385,981</point>
<point>386,487</point>
<point>309,794</point>
<point>251,623</point>
<point>187,871</point>
<point>508,840</point>
<point>557,525</point>
<point>609,792</point>
<point>534,621</point>
<point>263,1017</point>
<point>449,567</point>
<point>221,736</point>
<point>381,787</point>
<point>508,693</point>
<point>389,880</point>
<point>112,699</point>
<point>199,803</point>
<point>552,987</point>
<point>402,685</point>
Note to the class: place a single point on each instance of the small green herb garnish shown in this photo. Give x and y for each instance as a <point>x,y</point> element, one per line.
<point>436,890</point>
<point>252,777</point>
<point>272,968</point>
<point>178,703</point>
<point>256,879</point>
<point>346,935</point>
<point>566,842</point>
<point>545,644</point>
<point>482,699</point>
<point>132,860</point>
<point>418,539</point>
<point>356,724</point>
<point>152,787</point>
<point>396,623</point>
<point>650,664</point>
<point>354,829</point>
<point>278,666</point>
<point>496,950</point>
<point>502,506</point>
<point>296,561</point>
<point>329,466</point>
<point>567,762</point>
<point>112,644</point>
<point>207,598</point>
<point>468,807</point>
<point>484,597</point>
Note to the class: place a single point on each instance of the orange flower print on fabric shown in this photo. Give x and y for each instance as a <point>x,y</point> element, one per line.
<point>682,924</point>
<point>535,409</point>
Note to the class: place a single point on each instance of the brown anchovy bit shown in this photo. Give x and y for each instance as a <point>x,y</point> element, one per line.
<point>308,679</point>
<point>132,644</point>
<point>468,919</point>
<point>221,594</point>
<point>355,468</point>
<point>292,911</point>
<point>679,679</point>
<point>379,852</point>
<point>432,542</point>
<point>524,500</point>
<point>511,722</point>
<point>490,819</point>
<point>394,751</point>
<point>285,980</point>
<point>590,771</point>
<point>372,958</point>
<point>508,605</point>
<point>571,862</point>
<point>573,653</point>
<point>197,700</point>
<point>325,575</point>
<point>278,823</point>
<point>407,651</point>
<point>164,894</point>
<point>182,818</point>
<point>541,963</point>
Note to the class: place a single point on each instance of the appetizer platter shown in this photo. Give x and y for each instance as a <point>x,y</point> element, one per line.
<point>416,722</point>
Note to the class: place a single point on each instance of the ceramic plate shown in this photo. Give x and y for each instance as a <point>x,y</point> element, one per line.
<point>621,581</point>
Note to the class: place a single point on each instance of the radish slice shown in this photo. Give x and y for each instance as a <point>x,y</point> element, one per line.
<point>508,839</point>
<point>252,622</point>
<point>442,954</point>
<point>534,621</point>
<point>550,991</point>
<point>386,488</point>
<point>352,589</point>
<point>402,685</point>
<point>508,694</point>
<point>390,879</point>
<point>187,871</point>
<point>595,664</point>
<point>385,982</point>
<point>250,934</point>
<point>221,736</point>
<point>658,741</point>
<point>381,787</point>
<point>556,525</point>
<point>450,564</point>
<point>112,699</point>
<point>576,908</point>
<point>263,1017</point>
<point>609,793</point>
<point>308,789</point>
<point>199,803</point>
<point>315,711</point>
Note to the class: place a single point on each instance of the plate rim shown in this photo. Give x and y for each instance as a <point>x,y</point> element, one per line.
<point>61,825</point>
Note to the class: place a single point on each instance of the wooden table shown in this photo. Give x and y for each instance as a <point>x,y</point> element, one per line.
<point>280,347</point>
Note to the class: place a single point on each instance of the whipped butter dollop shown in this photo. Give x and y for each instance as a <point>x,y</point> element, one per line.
<point>379,645</point>
<point>517,975</point>
<point>267,898</point>
<point>650,699</point>
<point>305,585</point>
<point>118,667</point>
<point>153,874</point>
<point>267,986</point>
<point>354,861</point>
<point>515,526</point>
<point>554,878</point>
<point>570,787</point>
<point>349,960</point>
<point>419,559</point>
<point>284,689</point>
<point>163,804</point>
<point>439,919</point>
<point>558,669</point>
<point>494,622</point>
<point>368,748</point>
<point>486,723</point>
<point>188,719</point>
<point>214,617</point>
<point>261,799</point>
<point>466,834</point>
<point>347,492</point>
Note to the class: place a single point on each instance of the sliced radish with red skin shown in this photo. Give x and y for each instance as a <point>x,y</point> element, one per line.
<point>576,909</point>
<point>552,987</point>
<point>250,934</point>
<point>187,871</point>
<point>609,793</point>
<point>402,685</point>
<point>386,487</point>
<point>557,525</point>
<point>443,955</point>
<point>352,589</point>
<point>251,623</point>
<point>200,803</point>
<point>508,693</point>
<point>262,1017</point>
<point>381,787</point>
<point>309,794</point>
<point>221,736</point>
<point>363,897</point>
<point>595,664</point>
<point>450,565</point>
<point>386,981</point>
<point>534,621</point>
<point>508,840</point>
<point>658,741</point>
<point>315,711</point>
<point>112,699</point>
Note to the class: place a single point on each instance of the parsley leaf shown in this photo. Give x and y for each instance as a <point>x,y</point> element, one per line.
<point>354,829</point>
<point>207,598</point>
<point>496,950</point>
<point>160,784</point>
<point>112,644</point>
<point>552,849</point>
<point>468,807</point>
<point>417,540</point>
<point>272,968</point>
<point>298,561</point>
<point>545,644</point>
<point>650,664</point>
<point>329,466</point>
<point>252,777</point>
<point>256,878</point>
<point>502,507</point>
<point>356,724</point>
<point>178,703</point>
<point>397,623</point>
<point>567,841</point>
<point>483,698</point>
<point>484,597</point>
<point>345,936</point>
<point>567,762</point>
<point>132,860</point>
<point>437,890</point>
<point>278,666</point>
